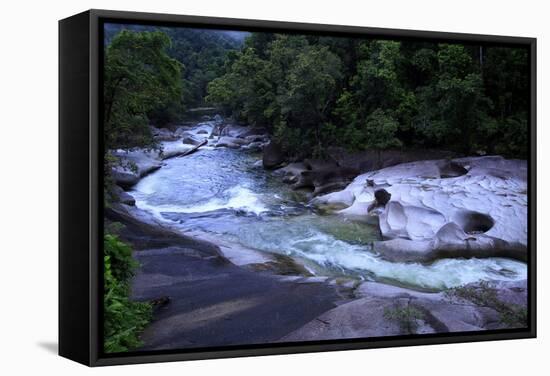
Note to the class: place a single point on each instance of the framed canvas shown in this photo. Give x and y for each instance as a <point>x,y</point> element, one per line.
<point>235,187</point>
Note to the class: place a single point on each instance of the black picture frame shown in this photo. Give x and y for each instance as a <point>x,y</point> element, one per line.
<point>81,201</point>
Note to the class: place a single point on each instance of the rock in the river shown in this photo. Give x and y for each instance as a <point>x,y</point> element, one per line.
<point>191,139</point>
<point>230,142</point>
<point>133,166</point>
<point>174,149</point>
<point>195,130</point>
<point>320,176</point>
<point>231,130</point>
<point>273,155</point>
<point>382,197</point>
<point>118,194</point>
<point>254,146</point>
<point>370,160</point>
<point>256,132</point>
<point>467,207</point>
<point>163,134</point>
<point>256,138</point>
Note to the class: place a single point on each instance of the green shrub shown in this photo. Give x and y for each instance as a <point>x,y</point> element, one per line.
<point>407,317</point>
<point>484,295</point>
<point>124,319</point>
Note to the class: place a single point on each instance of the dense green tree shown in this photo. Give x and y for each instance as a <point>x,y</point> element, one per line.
<point>370,108</point>
<point>506,78</point>
<point>290,91</point>
<point>123,318</point>
<point>139,77</point>
<point>313,92</point>
<point>311,86</point>
<point>242,92</point>
<point>453,105</point>
<point>202,52</point>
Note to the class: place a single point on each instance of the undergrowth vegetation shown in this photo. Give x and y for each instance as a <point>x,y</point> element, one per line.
<point>124,319</point>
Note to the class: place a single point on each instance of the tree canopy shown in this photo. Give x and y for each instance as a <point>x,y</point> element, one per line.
<point>202,52</point>
<point>139,77</point>
<point>315,92</point>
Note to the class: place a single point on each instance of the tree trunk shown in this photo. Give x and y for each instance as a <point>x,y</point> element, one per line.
<point>193,149</point>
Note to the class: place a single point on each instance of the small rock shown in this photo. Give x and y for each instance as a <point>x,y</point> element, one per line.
<point>230,142</point>
<point>191,139</point>
<point>382,196</point>
<point>160,302</point>
<point>118,194</point>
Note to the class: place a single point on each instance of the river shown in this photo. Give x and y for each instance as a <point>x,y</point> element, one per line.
<point>224,192</point>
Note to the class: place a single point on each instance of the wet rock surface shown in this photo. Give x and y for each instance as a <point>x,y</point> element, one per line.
<point>467,207</point>
<point>210,301</point>
<point>273,156</point>
<point>385,310</point>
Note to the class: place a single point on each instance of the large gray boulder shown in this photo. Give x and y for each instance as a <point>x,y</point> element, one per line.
<point>273,155</point>
<point>318,175</point>
<point>254,146</point>
<point>134,165</point>
<point>119,195</point>
<point>227,129</point>
<point>370,160</point>
<point>163,134</point>
<point>191,139</point>
<point>466,207</point>
<point>384,310</point>
<point>230,142</point>
<point>174,149</point>
<point>256,138</point>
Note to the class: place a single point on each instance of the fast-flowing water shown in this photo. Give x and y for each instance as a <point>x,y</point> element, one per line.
<point>224,192</point>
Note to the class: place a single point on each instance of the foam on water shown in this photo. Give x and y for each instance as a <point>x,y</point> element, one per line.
<point>330,253</point>
<point>441,274</point>
<point>236,198</point>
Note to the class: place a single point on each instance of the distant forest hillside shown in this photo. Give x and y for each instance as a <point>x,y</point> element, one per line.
<point>202,53</point>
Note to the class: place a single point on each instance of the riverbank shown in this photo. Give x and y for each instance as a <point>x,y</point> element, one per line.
<point>218,291</point>
<point>209,301</point>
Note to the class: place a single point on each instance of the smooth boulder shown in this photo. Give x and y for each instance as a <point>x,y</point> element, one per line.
<point>230,142</point>
<point>318,175</point>
<point>134,165</point>
<point>273,155</point>
<point>382,310</point>
<point>163,134</point>
<point>466,207</point>
<point>191,139</point>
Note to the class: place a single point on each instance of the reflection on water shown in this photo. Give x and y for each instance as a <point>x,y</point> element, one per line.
<point>221,191</point>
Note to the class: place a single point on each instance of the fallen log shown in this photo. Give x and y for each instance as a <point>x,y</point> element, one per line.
<point>193,149</point>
